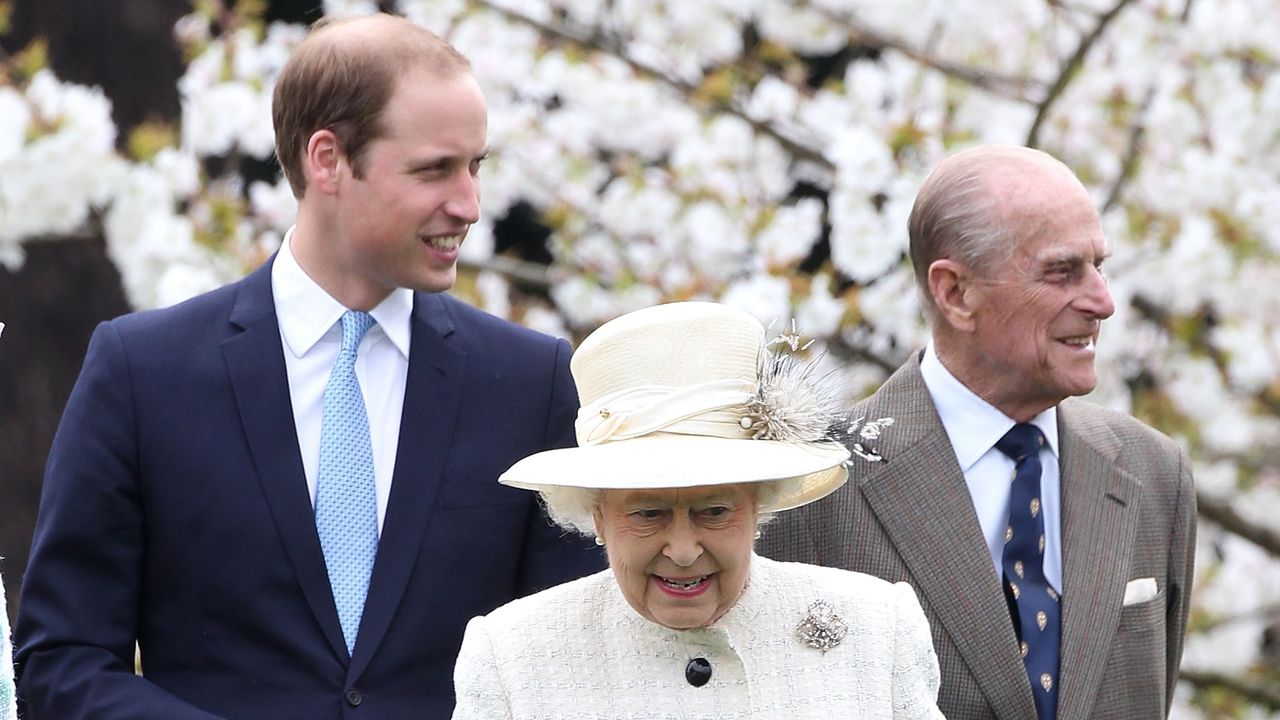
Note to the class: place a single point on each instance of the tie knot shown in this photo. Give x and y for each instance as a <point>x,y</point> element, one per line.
<point>1022,440</point>
<point>354,325</point>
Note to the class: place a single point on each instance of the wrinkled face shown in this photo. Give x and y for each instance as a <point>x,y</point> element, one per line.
<point>1037,316</point>
<point>680,556</point>
<point>401,221</point>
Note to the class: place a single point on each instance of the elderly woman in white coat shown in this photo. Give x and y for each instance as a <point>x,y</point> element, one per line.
<point>8,699</point>
<point>692,433</point>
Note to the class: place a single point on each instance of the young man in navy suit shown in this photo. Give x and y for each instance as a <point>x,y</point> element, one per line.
<point>190,504</point>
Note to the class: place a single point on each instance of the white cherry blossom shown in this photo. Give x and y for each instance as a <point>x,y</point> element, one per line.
<point>750,151</point>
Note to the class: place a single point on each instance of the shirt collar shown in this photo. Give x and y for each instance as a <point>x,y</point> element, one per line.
<point>306,312</point>
<point>973,424</point>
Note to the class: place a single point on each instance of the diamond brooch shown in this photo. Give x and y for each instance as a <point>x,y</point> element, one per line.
<point>821,628</point>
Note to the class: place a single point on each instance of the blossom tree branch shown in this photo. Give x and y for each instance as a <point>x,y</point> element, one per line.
<point>1262,612</point>
<point>1255,691</point>
<point>1221,513</point>
<point>1132,152</point>
<point>1268,401</point>
<point>1013,86</point>
<point>597,41</point>
<point>1211,508</point>
<point>847,351</point>
<point>532,274</point>
<point>1069,69</point>
<point>1186,10</point>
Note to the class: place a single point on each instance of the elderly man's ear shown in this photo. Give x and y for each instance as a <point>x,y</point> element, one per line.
<point>954,293</point>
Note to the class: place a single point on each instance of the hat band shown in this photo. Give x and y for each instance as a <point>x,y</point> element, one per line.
<point>714,409</point>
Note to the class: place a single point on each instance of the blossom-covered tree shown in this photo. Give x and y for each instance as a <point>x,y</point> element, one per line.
<point>766,153</point>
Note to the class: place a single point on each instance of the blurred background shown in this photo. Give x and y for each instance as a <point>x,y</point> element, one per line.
<point>760,152</point>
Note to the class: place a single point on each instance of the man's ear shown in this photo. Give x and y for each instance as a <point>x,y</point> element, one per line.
<point>324,161</point>
<point>953,292</point>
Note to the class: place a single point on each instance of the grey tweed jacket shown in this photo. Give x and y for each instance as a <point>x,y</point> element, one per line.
<point>1128,512</point>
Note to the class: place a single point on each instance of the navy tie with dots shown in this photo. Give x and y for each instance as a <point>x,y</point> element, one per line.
<point>346,498</point>
<point>1035,602</point>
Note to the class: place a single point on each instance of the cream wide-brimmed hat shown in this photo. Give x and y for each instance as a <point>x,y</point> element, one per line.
<point>687,394</point>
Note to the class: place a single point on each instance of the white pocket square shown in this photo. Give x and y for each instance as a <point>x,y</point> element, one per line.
<point>1140,590</point>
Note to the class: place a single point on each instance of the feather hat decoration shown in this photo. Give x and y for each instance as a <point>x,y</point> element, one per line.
<point>791,404</point>
<point>794,403</point>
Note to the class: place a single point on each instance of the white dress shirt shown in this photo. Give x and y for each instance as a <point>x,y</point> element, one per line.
<point>311,329</point>
<point>974,426</point>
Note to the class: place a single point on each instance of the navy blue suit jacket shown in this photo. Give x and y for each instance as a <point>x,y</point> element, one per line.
<point>175,513</point>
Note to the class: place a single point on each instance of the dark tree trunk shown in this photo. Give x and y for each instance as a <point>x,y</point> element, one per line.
<point>49,309</point>
<point>125,47</point>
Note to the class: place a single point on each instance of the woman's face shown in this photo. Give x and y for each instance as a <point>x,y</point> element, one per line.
<point>680,555</point>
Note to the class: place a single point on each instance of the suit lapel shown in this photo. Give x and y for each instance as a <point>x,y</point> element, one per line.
<point>921,500</point>
<point>1099,523</point>
<point>433,393</point>
<point>255,364</point>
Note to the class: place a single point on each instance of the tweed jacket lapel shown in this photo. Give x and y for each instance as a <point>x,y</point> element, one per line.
<point>1099,522</point>
<point>920,498</point>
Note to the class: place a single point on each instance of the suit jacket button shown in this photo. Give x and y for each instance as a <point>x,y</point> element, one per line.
<point>354,697</point>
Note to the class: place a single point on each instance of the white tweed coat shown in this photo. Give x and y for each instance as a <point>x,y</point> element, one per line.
<point>8,700</point>
<point>580,651</point>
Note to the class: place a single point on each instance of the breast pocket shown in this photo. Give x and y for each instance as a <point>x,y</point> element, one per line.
<point>1135,674</point>
<point>1144,617</point>
<point>1141,636</point>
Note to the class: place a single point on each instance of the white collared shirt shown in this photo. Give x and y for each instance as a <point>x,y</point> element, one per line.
<point>974,426</point>
<point>311,329</point>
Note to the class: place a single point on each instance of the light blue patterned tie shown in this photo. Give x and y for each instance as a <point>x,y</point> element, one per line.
<point>346,499</point>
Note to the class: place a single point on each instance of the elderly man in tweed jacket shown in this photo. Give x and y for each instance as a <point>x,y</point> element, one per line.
<point>1056,577</point>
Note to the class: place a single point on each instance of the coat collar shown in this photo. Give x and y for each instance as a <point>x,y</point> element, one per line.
<point>920,498</point>
<point>255,364</point>
<point>433,394</point>
<point>1100,503</point>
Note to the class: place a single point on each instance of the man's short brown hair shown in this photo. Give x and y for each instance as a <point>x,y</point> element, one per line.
<point>341,77</point>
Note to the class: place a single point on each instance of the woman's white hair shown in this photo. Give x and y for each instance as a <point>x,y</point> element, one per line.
<point>573,508</point>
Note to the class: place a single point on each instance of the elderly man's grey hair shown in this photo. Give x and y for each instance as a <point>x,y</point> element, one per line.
<point>573,508</point>
<point>957,213</point>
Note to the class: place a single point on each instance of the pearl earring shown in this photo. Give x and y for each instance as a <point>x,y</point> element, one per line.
<point>756,536</point>
<point>600,541</point>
